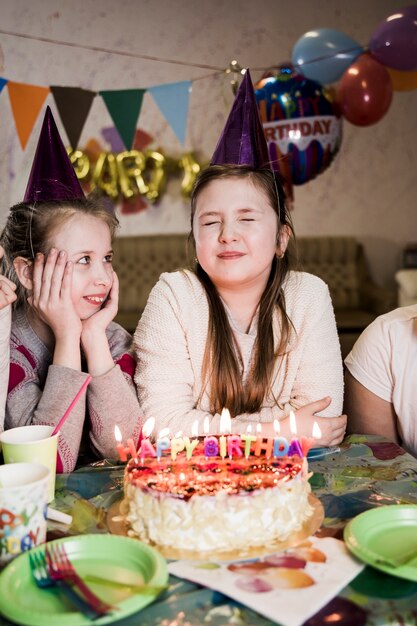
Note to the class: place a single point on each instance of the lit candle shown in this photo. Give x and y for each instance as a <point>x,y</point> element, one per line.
<point>191,445</point>
<point>206,425</point>
<point>295,447</point>
<point>121,449</point>
<point>146,448</point>
<point>234,446</point>
<point>211,446</point>
<point>225,427</point>
<point>177,445</point>
<point>263,444</point>
<point>248,438</point>
<point>308,442</point>
<point>281,444</point>
<point>163,442</point>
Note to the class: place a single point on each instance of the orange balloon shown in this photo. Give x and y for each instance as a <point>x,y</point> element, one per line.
<point>403,81</point>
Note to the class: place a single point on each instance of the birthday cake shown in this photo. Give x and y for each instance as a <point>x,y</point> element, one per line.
<point>216,504</point>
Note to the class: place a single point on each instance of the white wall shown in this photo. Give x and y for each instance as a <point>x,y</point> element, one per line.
<point>369,191</point>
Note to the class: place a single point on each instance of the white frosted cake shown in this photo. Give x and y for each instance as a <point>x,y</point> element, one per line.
<point>216,504</point>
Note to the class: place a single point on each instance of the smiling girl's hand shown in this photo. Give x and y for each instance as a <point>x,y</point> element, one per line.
<point>93,337</point>
<point>7,288</point>
<point>51,295</point>
<point>99,321</point>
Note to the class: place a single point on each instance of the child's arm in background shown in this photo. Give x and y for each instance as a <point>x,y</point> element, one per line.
<point>112,397</point>
<point>7,296</point>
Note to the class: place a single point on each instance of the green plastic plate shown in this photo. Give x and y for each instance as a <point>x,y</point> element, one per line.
<point>108,556</point>
<point>383,535</point>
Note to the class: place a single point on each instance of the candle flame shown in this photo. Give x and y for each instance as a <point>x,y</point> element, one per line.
<point>206,425</point>
<point>249,429</point>
<point>293,423</point>
<point>225,422</point>
<point>258,429</point>
<point>194,429</point>
<point>277,427</point>
<point>178,434</point>
<point>117,434</point>
<point>316,431</point>
<point>148,427</point>
<point>163,433</point>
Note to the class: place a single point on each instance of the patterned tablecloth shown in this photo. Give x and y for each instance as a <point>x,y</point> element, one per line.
<point>367,472</point>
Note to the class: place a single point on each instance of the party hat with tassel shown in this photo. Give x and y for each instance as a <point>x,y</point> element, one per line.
<point>52,176</point>
<point>242,141</point>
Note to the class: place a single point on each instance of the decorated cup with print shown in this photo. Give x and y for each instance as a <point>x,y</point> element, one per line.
<point>23,505</point>
<point>32,444</point>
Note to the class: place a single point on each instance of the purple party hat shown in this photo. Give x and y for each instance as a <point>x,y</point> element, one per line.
<point>242,141</point>
<point>52,176</point>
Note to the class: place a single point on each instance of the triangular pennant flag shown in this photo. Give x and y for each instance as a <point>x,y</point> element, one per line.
<point>124,107</point>
<point>73,104</point>
<point>3,82</point>
<point>26,102</point>
<point>173,100</point>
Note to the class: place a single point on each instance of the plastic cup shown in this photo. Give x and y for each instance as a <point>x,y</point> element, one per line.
<point>23,505</point>
<point>32,444</point>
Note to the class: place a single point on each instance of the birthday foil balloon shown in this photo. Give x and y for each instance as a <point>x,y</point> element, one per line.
<point>302,124</point>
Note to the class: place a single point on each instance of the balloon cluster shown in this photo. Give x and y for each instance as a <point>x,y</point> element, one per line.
<point>367,77</point>
<point>131,173</point>
<point>332,77</point>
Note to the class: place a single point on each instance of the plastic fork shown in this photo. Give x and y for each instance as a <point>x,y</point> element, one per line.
<point>60,568</point>
<point>44,581</point>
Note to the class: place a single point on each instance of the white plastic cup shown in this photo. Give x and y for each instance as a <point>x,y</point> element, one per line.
<point>32,444</point>
<point>23,506</point>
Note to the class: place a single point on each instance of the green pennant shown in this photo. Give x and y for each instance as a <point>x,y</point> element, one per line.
<point>124,107</point>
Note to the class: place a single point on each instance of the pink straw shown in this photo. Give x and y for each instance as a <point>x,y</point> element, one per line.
<point>71,406</point>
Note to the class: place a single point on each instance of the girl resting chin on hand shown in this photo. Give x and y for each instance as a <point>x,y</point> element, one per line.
<point>62,328</point>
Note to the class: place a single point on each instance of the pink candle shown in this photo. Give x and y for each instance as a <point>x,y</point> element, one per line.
<point>122,450</point>
<point>308,442</point>
<point>234,446</point>
<point>146,449</point>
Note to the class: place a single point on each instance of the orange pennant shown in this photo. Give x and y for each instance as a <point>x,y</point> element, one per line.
<point>26,102</point>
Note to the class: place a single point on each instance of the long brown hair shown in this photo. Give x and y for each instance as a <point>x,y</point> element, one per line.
<point>29,229</point>
<point>221,365</point>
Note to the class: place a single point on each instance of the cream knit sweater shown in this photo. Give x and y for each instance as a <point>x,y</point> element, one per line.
<point>5,324</point>
<point>170,342</point>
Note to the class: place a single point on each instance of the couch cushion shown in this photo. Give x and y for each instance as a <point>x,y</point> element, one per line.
<point>335,260</point>
<point>140,260</point>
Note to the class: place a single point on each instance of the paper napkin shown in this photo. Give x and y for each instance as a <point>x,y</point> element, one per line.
<point>287,587</point>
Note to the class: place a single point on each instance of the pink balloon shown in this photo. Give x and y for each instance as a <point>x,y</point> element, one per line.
<point>364,92</point>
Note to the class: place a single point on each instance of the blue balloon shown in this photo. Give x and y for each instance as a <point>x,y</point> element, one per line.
<point>324,54</point>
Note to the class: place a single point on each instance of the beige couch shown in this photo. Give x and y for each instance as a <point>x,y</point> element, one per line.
<point>339,261</point>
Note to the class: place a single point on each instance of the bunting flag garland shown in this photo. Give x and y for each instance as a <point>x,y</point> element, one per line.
<point>3,83</point>
<point>73,104</point>
<point>173,100</point>
<point>26,102</point>
<point>124,107</point>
